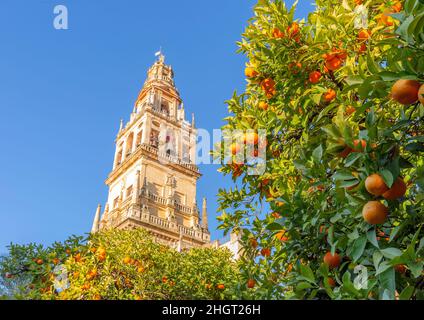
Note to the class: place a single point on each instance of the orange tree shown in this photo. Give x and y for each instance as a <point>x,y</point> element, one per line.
<point>338,213</point>
<point>117,264</point>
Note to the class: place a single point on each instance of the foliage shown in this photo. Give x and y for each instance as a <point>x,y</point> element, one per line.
<point>118,264</point>
<point>321,89</point>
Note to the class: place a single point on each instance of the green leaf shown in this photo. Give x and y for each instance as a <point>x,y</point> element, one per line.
<point>376,258</point>
<point>353,80</point>
<point>391,253</point>
<point>358,248</point>
<point>383,267</point>
<point>317,154</point>
<point>274,226</point>
<point>343,176</point>
<point>372,238</point>
<point>387,177</point>
<point>388,281</point>
<point>303,286</point>
<point>352,158</point>
<point>348,183</point>
<point>406,294</point>
<point>348,285</point>
<point>307,273</point>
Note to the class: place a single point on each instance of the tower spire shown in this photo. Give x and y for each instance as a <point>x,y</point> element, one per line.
<point>204,214</point>
<point>121,125</point>
<point>96,221</point>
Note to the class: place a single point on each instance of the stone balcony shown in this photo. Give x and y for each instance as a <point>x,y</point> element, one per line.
<point>134,217</point>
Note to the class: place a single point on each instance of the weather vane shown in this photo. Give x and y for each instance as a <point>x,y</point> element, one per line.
<point>160,55</point>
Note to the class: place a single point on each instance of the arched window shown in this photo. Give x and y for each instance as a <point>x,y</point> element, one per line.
<point>118,159</point>
<point>164,107</point>
<point>138,140</point>
<point>154,138</point>
<point>130,141</point>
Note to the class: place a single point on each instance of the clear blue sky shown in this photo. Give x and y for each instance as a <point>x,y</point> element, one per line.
<point>62,93</point>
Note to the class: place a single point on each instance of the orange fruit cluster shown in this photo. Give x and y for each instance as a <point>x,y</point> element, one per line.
<point>334,59</point>
<point>268,86</point>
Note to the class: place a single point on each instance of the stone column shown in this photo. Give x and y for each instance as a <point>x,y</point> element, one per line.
<point>204,215</point>
<point>146,129</point>
<point>136,188</point>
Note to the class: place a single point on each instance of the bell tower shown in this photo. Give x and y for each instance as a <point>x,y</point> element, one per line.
<point>153,180</point>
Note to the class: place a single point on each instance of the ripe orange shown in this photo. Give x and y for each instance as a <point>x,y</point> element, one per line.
<point>78,257</point>
<point>329,56</point>
<point>359,145</point>
<point>266,252</point>
<point>279,203</point>
<point>85,286</point>
<point>251,283</point>
<point>164,279</point>
<point>220,286</point>
<point>346,151</point>
<point>263,105</point>
<point>375,185</point>
<point>421,94</point>
<point>330,95</point>
<point>362,48</point>
<point>235,148</point>
<point>253,243</point>
<point>276,215</point>
<point>140,269</point>
<point>331,282</point>
<point>282,236</point>
<point>39,261</point>
<point>293,29</point>
<point>333,64</point>
<point>333,261</point>
<point>397,7</point>
<point>250,72</point>
<point>405,91</point>
<point>314,77</point>
<point>358,2</point>
<point>268,86</point>
<point>364,35</point>
<point>400,268</point>
<point>127,260</point>
<point>295,67</point>
<point>386,19</point>
<point>92,274</point>
<point>56,261</point>
<point>341,54</point>
<point>350,110</point>
<point>374,212</point>
<point>277,33</point>
<point>397,190</point>
<point>251,138</point>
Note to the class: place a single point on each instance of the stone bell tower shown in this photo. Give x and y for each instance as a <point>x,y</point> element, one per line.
<point>153,181</point>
